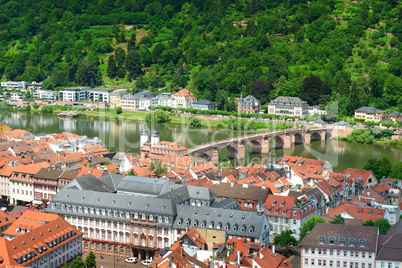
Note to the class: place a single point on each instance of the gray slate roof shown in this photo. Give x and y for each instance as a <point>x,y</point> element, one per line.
<point>234,222</point>
<point>89,183</point>
<point>111,180</point>
<point>111,201</point>
<point>203,102</point>
<point>294,101</point>
<point>142,185</point>
<point>390,245</point>
<point>182,193</point>
<point>370,110</point>
<point>394,114</point>
<point>341,232</point>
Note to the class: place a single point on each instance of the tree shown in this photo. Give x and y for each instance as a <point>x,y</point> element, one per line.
<point>111,67</point>
<point>380,167</point>
<point>119,110</point>
<point>338,219</point>
<point>131,42</point>
<point>309,225</point>
<point>194,122</point>
<point>261,90</point>
<point>387,124</point>
<point>3,106</point>
<point>158,168</point>
<point>47,109</point>
<point>133,64</point>
<point>311,89</point>
<point>221,100</point>
<point>224,164</point>
<point>397,171</point>
<point>132,172</point>
<point>157,117</point>
<point>382,224</point>
<point>90,260</point>
<point>88,73</point>
<point>78,263</point>
<point>285,239</point>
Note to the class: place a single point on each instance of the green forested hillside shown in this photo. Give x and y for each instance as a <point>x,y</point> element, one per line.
<point>322,51</point>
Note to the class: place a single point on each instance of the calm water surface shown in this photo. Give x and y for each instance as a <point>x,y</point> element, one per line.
<point>124,135</point>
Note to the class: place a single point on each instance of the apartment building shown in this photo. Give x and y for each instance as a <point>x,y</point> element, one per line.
<point>289,106</point>
<point>45,184</point>
<point>21,184</point>
<point>46,95</point>
<point>14,84</point>
<point>249,105</point>
<point>370,114</point>
<point>100,95</point>
<point>390,248</point>
<point>115,98</point>
<point>288,213</point>
<point>183,99</point>
<point>340,246</point>
<point>40,240</point>
<point>204,105</point>
<point>74,94</point>
<point>162,99</point>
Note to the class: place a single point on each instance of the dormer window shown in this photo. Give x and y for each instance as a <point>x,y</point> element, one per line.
<point>294,213</point>
<point>282,203</point>
<point>273,203</point>
<point>369,212</point>
<point>321,240</point>
<point>268,210</point>
<point>352,242</point>
<point>331,241</point>
<point>362,243</point>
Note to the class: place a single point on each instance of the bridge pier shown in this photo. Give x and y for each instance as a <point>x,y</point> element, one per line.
<point>307,138</point>
<point>215,155</point>
<point>323,135</point>
<point>265,147</point>
<point>241,151</point>
<point>287,142</point>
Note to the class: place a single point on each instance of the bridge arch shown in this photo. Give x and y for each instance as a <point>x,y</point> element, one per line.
<point>228,151</point>
<point>315,136</point>
<point>253,146</point>
<point>278,142</point>
<point>298,139</point>
<point>204,156</point>
<point>328,135</point>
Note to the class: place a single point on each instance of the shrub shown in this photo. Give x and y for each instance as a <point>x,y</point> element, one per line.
<point>47,109</point>
<point>119,110</point>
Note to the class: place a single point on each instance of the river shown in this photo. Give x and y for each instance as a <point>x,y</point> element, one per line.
<point>124,135</point>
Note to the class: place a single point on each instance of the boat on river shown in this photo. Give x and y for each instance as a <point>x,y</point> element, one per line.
<point>70,114</point>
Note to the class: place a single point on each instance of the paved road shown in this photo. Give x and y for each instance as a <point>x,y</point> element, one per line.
<point>108,262</point>
<point>295,260</point>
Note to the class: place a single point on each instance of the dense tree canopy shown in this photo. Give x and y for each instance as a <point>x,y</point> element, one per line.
<point>321,51</point>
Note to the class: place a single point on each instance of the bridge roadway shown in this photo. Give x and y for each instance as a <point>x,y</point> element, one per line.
<point>260,141</point>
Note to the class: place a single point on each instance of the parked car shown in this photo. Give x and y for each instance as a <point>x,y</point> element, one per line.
<point>146,262</point>
<point>131,260</point>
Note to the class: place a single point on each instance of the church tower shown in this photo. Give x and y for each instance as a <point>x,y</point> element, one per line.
<point>155,137</point>
<point>144,136</point>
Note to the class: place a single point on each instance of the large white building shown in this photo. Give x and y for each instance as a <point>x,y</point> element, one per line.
<point>100,95</point>
<point>339,245</point>
<point>46,95</point>
<point>183,99</point>
<point>289,106</point>
<point>14,84</point>
<point>74,94</point>
<point>162,99</point>
<point>141,216</point>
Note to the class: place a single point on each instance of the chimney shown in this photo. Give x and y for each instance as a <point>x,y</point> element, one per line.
<point>273,249</point>
<point>238,257</point>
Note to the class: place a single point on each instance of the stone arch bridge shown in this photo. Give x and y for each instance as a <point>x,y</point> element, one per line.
<point>260,141</point>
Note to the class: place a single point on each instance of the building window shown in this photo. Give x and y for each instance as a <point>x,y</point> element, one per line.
<point>382,264</point>
<point>390,265</point>
<point>312,262</point>
<point>306,261</point>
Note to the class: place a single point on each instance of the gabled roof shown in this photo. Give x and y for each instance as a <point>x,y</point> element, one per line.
<point>240,191</point>
<point>390,245</point>
<point>185,93</point>
<point>357,212</point>
<point>369,110</point>
<point>320,236</point>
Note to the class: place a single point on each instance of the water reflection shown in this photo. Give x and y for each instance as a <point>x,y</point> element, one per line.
<point>124,135</point>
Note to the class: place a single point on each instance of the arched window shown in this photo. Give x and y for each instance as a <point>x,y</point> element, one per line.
<point>362,243</point>
<point>332,240</point>
<point>352,242</point>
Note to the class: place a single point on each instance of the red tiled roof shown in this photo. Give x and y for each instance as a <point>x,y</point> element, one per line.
<point>361,213</point>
